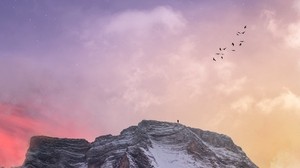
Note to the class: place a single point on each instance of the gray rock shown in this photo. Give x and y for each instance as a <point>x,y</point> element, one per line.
<point>50,152</point>
<point>151,144</point>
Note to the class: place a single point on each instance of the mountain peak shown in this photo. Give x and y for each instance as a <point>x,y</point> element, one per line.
<point>151,143</point>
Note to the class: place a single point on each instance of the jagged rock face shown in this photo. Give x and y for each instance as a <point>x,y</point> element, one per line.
<point>151,144</point>
<point>55,152</point>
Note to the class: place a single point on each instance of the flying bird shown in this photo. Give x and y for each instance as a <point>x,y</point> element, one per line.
<point>239,43</point>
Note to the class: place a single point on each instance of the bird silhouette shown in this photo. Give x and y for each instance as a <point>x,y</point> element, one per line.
<point>234,45</point>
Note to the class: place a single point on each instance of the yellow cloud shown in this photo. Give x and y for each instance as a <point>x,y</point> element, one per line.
<point>288,159</point>
<point>243,104</point>
<point>286,100</point>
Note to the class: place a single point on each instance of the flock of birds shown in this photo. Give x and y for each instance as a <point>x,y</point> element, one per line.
<point>222,50</point>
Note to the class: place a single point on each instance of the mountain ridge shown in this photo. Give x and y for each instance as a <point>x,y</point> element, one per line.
<point>150,144</point>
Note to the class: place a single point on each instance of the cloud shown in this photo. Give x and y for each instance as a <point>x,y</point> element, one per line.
<point>293,37</point>
<point>16,124</point>
<point>229,87</point>
<point>243,104</point>
<point>270,122</point>
<point>142,22</point>
<point>116,68</point>
<point>229,80</point>
<point>139,87</point>
<point>150,55</point>
<point>289,159</point>
<point>287,101</point>
<point>288,32</point>
<point>271,22</point>
<point>298,65</point>
<point>277,27</point>
<point>130,31</point>
<point>296,6</point>
<point>173,75</point>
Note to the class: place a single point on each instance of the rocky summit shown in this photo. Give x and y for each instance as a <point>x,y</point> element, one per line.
<point>150,144</point>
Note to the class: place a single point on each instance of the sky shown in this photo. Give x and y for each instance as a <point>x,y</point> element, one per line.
<point>81,69</point>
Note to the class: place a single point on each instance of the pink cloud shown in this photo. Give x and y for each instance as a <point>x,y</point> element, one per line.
<point>15,130</point>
